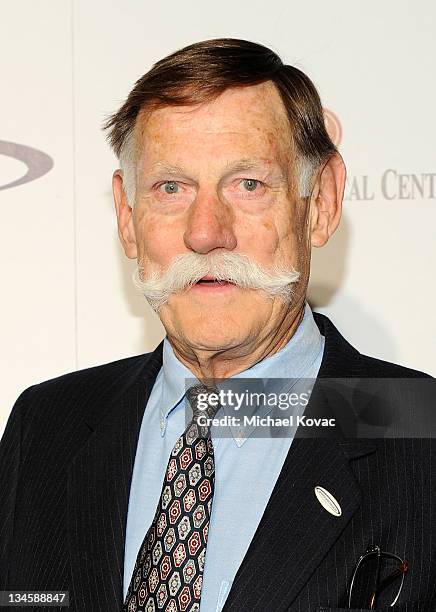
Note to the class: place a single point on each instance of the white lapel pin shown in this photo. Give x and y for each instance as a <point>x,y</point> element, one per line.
<point>327,501</point>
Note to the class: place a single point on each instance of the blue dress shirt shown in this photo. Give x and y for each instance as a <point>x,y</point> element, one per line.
<point>246,468</point>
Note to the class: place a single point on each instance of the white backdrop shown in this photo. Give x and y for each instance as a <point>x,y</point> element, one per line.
<point>67,299</point>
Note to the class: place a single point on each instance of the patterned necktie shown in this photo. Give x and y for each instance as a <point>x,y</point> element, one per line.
<point>168,572</point>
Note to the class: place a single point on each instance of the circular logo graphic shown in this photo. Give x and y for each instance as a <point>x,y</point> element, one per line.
<point>333,126</point>
<point>37,162</point>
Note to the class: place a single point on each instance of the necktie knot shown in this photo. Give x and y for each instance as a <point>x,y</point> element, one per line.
<point>203,401</point>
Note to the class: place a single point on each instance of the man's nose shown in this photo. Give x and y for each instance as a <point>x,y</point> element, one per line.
<point>209,224</point>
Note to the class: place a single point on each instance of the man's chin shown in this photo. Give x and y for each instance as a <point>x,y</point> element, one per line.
<point>215,323</point>
<point>212,335</point>
<point>209,331</point>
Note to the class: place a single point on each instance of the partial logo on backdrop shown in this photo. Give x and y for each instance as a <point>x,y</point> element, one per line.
<point>333,126</point>
<point>38,163</point>
<point>391,185</point>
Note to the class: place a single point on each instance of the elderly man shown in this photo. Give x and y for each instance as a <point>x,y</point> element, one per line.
<point>228,179</point>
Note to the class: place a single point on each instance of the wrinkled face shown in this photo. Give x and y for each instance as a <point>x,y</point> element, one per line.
<point>213,178</point>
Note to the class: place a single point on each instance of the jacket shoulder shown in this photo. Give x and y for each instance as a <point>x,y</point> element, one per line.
<point>342,359</point>
<point>92,374</point>
<point>94,378</point>
<point>75,395</point>
<point>385,369</point>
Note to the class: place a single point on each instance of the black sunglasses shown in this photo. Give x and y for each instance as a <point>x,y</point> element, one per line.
<point>376,572</point>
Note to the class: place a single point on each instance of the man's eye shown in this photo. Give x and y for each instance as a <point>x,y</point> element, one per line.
<point>170,187</point>
<point>250,184</point>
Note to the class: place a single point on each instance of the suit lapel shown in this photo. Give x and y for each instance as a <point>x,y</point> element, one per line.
<point>296,531</point>
<point>99,485</point>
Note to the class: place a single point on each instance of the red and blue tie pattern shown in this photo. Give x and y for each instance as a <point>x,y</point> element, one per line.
<point>168,572</point>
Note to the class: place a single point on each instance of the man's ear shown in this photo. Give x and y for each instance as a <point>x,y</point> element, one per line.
<point>326,200</point>
<point>126,230</point>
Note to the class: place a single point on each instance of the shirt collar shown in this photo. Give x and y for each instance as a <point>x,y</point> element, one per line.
<point>293,361</point>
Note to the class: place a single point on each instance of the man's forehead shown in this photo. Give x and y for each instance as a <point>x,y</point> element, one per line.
<point>245,128</point>
<point>257,107</point>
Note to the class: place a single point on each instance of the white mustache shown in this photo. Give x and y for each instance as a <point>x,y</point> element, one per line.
<point>188,268</point>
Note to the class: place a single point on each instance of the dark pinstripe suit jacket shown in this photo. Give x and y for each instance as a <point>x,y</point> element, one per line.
<point>66,461</point>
